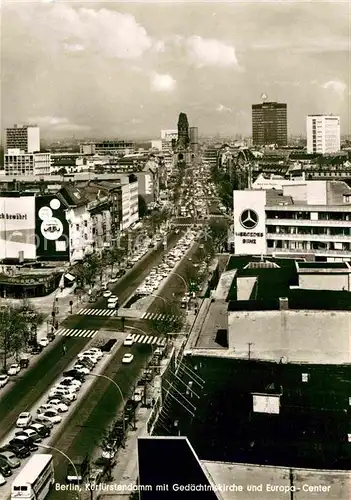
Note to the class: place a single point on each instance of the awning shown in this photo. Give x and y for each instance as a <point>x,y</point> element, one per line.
<point>70,277</point>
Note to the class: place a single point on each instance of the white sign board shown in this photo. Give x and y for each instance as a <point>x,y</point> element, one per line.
<point>249,222</point>
<point>264,403</point>
<point>17,227</point>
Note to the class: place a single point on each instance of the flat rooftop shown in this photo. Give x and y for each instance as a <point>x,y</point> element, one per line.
<point>309,483</point>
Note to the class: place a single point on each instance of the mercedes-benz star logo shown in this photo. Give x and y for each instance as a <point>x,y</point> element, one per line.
<point>249,219</point>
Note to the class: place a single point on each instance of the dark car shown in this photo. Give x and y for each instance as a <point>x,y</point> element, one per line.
<point>25,441</point>
<point>41,429</point>
<point>108,346</point>
<point>44,421</point>
<point>18,449</point>
<point>24,362</point>
<point>87,362</point>
<point>75,374</point>
<point>36,349</point>
<point>5,469</point>
<point>31,433</point>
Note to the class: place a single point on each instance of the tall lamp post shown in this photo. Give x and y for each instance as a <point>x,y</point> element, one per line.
<point>120,393</point>
<point>47,447</point>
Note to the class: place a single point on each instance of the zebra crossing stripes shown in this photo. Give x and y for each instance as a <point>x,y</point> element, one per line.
<point>148,339</point>
<point>158,317</point>
<point>97,312</point>
<point>75,332</point>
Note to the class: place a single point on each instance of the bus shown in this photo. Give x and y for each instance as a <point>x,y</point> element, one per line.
<point>35,479</point>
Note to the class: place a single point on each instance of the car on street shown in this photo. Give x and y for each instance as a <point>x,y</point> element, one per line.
<point>62,398</point>
<point>5,469</point>
<point>31,433</point>
<point>113,280</point>
<point>44,421</point>
<point>64,392</point>
<point>58,405</point>
<point>18,449</point>
<point>129,340</point>
<point>52,415</point>
<point>88,363</point>
<point>77,375</point>
<point>24,441</point>
<point>24,419</point>
<point>71,381</point>
<point>14,369</point>
<point>41,429</point>
<point>107,293</point>
<point>127,358</point>
<point>87,354</point>
<point>81,369</point>
<point>98,352</point>
<point>69,387</point>
<point>43,342</point>
<point>4,380</point>
<point>2,480</point>
<point>94,478</point>
<point>10,459</point>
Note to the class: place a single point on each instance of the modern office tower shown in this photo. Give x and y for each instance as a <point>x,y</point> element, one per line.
<point>323,134</point>
<point>194,139</point>
<point>24,139</point>
<point>269,124</point>
<point>168,138</point>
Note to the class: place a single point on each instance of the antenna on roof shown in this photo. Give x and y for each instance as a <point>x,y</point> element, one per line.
<point>264,97</point>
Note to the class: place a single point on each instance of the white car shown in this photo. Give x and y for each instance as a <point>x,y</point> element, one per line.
<point>14,369</point>
<point>58,405</point>
<point>3,380</point>
<point>67,395</point>
<point>98,352</point>
<point>69,387</point>
<point>107,293</point>
<point>113,280</point>
<point>53,416</point>
<point>24,419</point>
<point>127,358</point>
<point>43,342</point>
<point>31,433</point>
<point>43,408</point>
<point>81,368</point>
<point>129,340</point>
<point>112,304</point>
<point>2,480</point>
<point>63,391</point>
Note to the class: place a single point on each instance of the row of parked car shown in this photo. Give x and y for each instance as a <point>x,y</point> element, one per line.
<point>169,261</point>
<point>32,429</point>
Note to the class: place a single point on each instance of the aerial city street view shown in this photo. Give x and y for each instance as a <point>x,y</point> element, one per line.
<point>175,251</point>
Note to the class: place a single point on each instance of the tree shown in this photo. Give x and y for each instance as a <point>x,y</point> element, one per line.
<point>13,331</point>
<point>174,322</point>
<point>218,232</point>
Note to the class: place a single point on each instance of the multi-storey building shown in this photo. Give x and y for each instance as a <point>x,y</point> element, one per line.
<point>310,219</point>
<point>17,163</point>
<point>269,124</point>
<point>168,138</point>
<point>25,138</point>
<point>323,134</point>
<point>108,148</point>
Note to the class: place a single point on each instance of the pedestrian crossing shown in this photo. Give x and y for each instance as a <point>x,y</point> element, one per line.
<point>75,332</point>
<point>97,312</point>
<point>159,317</point>
<point>148,339</point>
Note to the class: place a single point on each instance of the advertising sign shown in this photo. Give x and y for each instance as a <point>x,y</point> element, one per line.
<point>52,228</point>
<point>17,226</point>
<point>249,222</point>
<point>266,403</point>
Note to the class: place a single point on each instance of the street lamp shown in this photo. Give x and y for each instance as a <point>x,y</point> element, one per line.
<point>122,397</point>
<point>69,460</point>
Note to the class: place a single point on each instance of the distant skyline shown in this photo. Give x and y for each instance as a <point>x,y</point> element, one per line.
<point>126,70</point>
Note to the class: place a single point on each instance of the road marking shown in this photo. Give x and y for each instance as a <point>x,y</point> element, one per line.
<point>73,332</point>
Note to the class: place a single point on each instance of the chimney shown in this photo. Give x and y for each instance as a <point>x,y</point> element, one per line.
<point>283,303</point>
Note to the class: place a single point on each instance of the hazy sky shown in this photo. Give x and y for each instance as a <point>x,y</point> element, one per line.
<point>111,69</point>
